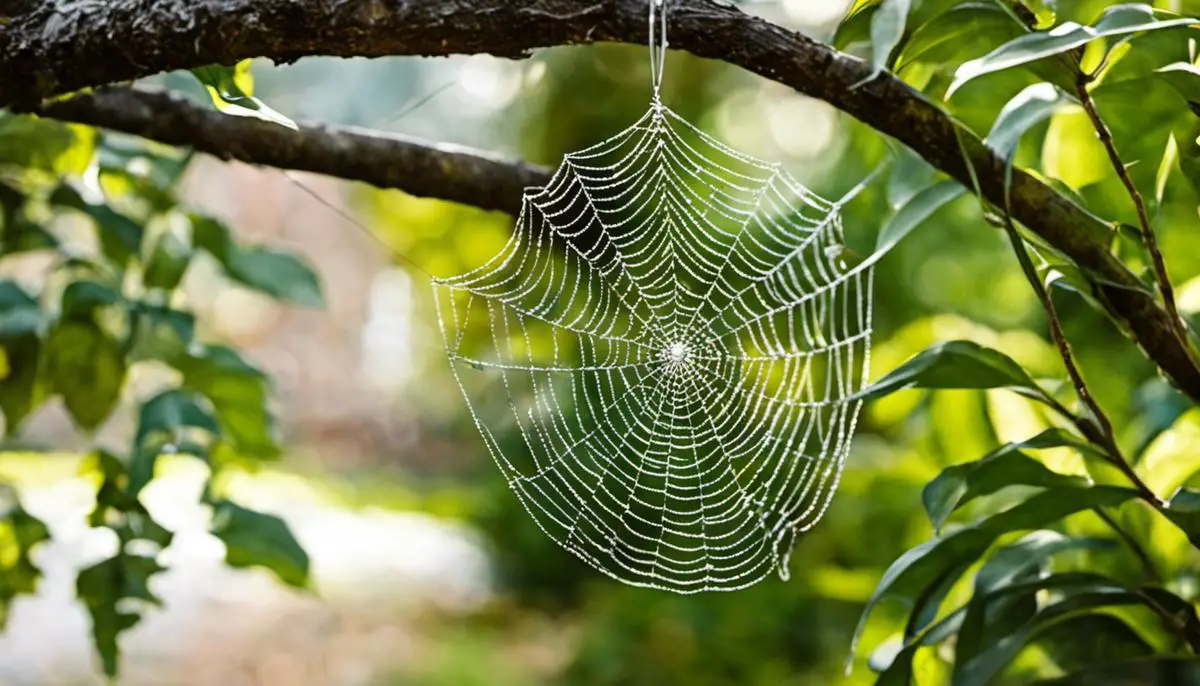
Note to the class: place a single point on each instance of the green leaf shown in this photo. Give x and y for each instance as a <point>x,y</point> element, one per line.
<point>1030,107</point>
<point>990,616</point>
<point>173,412</point>
<point>1006,466</point>
<point>990,662</point>
<point>900,670</point>
<point>856,27</point>
<point>1183,77</point>
<point>20,391</point>
<point>1117,20</point>
<point>44,144</point>
<point>1170,160</point>
<point>168,262</point>
<point>956,364</point>
<point>1174,455</point>
<point>1159,671</point>
<point>86,367</point>
<point>915,569</point>
<point>19,234</point>
<point>213,237</point>
<point>239,393</point>
<point>887,28</point>
<point>118,508</point>
<point>277,274</point>
<point>81,299</point>
<point>19,312</point>
<point>1069,277</point>
<point>20,532</point>
<point>918,209</point>
<point>958,33</point>
<point>110,590</point>
<point>1184,511</point>
<point>1092,639</point>
<point>255,539</point>
<point>165,423</point>
<point>160,166</point>
<point>162,333</point>
<point>120,236</point>
<point>232,92</point>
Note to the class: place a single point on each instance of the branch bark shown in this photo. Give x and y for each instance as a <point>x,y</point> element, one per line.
<point>431,170</point>
<point>60,46</point>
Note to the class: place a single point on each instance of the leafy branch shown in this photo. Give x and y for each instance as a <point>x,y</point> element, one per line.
<point>49,50</point>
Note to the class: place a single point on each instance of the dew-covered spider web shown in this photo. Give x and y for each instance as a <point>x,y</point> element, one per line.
<point>663,359</point>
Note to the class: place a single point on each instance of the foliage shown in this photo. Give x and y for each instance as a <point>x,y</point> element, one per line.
<point>102,210</point>
<point>1027,577</point>
<point>1043,546</point>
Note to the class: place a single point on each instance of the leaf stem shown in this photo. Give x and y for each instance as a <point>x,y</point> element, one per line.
<point>1148,237</point>
<point>1099,430</point>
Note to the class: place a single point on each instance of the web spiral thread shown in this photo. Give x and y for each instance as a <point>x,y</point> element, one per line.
<point>663,358</point>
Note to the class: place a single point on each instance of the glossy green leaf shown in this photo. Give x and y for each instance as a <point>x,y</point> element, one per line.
<point>991,661</point>
<point>1158,671</point>
<point>989,616</point>
<point>1117,20</point>
<point>1173,457</point>
<point>910,174</point>
<point>1183,77</point>
<point>256,539</point>
<point>899,672</point>
<point>1006,466</point>
<point>168,262</point>
<point>1090,639</point>
<point>958,34</point>
<point>232,92</point>
<point>856,27</point>
<point>887,28</point>
<point>956,364</point>
<point>1027,109</point>
<point>1183,510</point>
<point>87,368</point>
<point>918,567</point>
<point>918,209</point>
<point>1069,277</point>
<point>1170,160</point>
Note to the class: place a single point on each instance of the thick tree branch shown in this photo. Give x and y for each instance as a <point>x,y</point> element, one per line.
<point>59,46</point>
<point>430,170</point>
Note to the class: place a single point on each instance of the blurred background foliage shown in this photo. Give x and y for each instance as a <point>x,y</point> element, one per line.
<point>426,569</point>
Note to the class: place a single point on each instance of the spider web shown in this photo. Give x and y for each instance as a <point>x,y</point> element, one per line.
<point>663,358</point>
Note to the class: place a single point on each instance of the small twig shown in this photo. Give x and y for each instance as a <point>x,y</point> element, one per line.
<point>1148,237</point>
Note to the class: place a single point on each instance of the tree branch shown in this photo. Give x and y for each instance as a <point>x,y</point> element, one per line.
<point>58,46</point>
<point>430,170</point>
